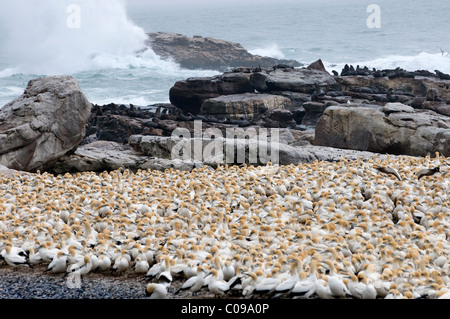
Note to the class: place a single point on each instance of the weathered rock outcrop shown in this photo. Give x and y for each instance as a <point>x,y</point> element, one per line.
<point>394,128</point>
<point>189,95</point>
<point>208,53</point>
<point>247,106</point>
<point>300,80</point>
<point>102,156</point>
<point>47,121</point>
<point>99,156</point>
<point>397,89</point>
<point>220,151</point>
<point>256,152</point>
<point>298,85</point>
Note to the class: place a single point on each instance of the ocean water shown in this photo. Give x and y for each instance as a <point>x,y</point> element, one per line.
<point>97,41</point>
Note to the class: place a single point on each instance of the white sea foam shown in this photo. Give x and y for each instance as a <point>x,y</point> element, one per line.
<point>42,41</point>
<point>422,61</point>
<point>272,51</point>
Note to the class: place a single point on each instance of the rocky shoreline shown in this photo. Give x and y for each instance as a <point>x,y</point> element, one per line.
<point>53,127</point>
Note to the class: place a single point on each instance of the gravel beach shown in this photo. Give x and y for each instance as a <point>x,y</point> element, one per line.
<point>26,283</point>
<point>33,284</point>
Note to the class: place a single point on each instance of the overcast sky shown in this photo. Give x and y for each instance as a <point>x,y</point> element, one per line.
<point>209,2</point>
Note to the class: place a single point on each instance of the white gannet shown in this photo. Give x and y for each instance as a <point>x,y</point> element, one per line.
<point>266,285</point>
<point>287,285</point>
<point>14,256</point>
<point>335,282</point>
<point>104,262</point>
<point>58,264</point>
<point>228,270</point>
<point>355,287</point>
<point>165,277</point>
<point>83,267</point>
<point>121,263</point>
<point>194,283</point>
<point>141,265</point>
<point>47,251</point>
<point>156,291</point>
<point>34,258</point>
<point>305,287</point>
<point>216,286</point>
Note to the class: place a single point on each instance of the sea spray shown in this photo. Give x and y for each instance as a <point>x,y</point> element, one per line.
<point>272,50</point>
<point>422,61</point>
<point>57,37</point>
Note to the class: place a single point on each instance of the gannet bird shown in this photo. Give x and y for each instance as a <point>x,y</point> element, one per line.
<point>47,251</point>
<point>248,283</point>
<point>34,258</point>
<point>355,287</point>
<point>228,270</point>
<point>104,262</point>
<point>427,172</point>
<point>216,286</point>
<point>369,291</point>
<point>73,255</point>
<point>335,282</point>
<point>323,290</point>
<point>83,267</point>
<point>141,265</point>
<point>58,264</point>
<point>265,285</point>
<point>444,293</point>
<point>389,170</point>
<point>14,256</point>
<point>305,287</point>
<point>194,283</point>
<point>156,291</point>
<point>287,285</point>
<point>121,263</point>
<point>165,277</point>
<point>382,286</point>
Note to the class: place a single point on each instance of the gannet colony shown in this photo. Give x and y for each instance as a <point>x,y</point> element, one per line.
<point>368,228</point>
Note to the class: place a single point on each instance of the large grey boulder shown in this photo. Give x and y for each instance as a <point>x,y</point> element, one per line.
<point>393,128</point>
<point>100,156</point>
<point>47,121</point>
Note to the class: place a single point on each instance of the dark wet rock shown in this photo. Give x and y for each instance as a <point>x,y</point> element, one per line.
<point>189,95</point>
<point>317,65</point>
<point>313,111</point>
<point>442,75</point>
<point>209,53</point>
